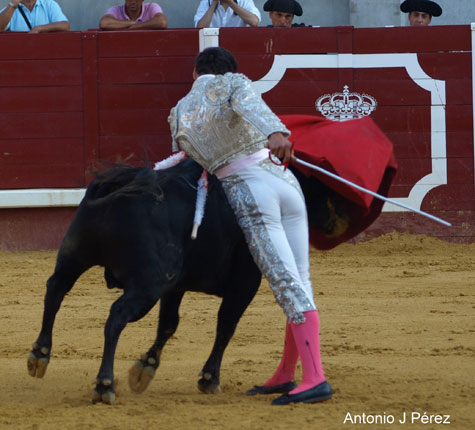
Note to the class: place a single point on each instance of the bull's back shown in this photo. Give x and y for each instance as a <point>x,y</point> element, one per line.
<point>137,218</point>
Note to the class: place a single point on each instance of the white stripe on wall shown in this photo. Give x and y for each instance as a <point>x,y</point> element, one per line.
<point>41,197</point>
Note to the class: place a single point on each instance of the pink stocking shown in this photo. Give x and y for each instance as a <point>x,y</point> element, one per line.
<point>306,337</point>
<point>286,370</point>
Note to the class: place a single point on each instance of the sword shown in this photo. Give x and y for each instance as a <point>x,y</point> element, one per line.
<point>378,196</point>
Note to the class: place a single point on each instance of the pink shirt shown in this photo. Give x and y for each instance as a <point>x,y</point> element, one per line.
<point>149,10</point>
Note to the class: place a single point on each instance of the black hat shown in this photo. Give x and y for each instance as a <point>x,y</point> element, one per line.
<point>427,6</point>
<point>287,6</point>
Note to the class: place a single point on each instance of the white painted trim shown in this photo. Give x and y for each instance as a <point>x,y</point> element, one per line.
<point>410,62</point>
<point>37,198</point>
<point>473,87</point>
<point>209,37</point>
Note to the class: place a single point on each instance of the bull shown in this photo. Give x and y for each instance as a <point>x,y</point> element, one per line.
<point>136,223</point>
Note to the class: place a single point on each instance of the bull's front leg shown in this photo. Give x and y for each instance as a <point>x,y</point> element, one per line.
<point>57,286</point>
<point>242,285</point>
<point>128,308</point>
<point>144,369</point>
<point>230,312</point>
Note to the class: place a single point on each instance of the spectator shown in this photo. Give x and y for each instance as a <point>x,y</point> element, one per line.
<point>420,11</point>
<point>227,13</point>
<point>282,12</point>
<point>34,16</point>
<point>134,15</point>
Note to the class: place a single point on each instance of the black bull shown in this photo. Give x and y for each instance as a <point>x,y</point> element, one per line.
<point>136,223</point>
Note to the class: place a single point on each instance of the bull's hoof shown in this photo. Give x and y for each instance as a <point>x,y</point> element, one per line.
<point>108,397</point>
<point>104,392</point>
<point>37,361</point>
<point>140,375</point>
<point>208,386</point>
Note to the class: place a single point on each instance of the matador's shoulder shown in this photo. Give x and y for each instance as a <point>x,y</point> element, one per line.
<point>239,80</point>
<point>219,89</point>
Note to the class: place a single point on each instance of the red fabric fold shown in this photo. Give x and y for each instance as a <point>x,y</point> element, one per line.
<point>356,150</point>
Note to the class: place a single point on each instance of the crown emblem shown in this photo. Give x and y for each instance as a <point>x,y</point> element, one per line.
<point>344,106</point>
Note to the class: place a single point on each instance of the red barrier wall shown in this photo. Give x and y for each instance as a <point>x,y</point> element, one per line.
<point>73,100</point>
<point>403,113</point>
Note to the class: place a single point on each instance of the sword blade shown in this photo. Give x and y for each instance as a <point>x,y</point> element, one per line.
<point>378,196</point>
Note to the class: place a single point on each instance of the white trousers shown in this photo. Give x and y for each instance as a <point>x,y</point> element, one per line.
<point>270,209</point>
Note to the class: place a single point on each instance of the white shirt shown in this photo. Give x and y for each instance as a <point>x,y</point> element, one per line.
<point>225,17</point>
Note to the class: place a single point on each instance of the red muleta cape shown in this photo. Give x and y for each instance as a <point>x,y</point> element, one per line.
<point>356,150</point>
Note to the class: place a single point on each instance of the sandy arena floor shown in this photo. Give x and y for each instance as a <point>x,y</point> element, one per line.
<point>398,337</point>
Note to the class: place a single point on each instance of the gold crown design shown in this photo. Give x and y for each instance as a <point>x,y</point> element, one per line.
<point>344,106</point>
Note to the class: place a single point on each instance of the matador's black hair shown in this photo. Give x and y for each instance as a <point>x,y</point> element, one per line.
<point>216,60</point>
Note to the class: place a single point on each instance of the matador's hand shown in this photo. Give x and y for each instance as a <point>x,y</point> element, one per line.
<point>280,146</point>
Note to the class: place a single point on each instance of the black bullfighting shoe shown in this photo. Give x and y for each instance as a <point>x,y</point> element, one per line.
<point>271,389</point>
<point>319,393</point>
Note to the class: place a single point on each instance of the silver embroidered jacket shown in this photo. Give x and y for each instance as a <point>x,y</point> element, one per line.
<point>221,119</point>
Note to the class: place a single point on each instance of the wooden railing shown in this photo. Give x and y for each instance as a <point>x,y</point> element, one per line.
<point>71,101</point>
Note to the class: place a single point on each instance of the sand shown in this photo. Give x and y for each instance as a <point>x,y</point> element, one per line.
<point>397,331</point>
